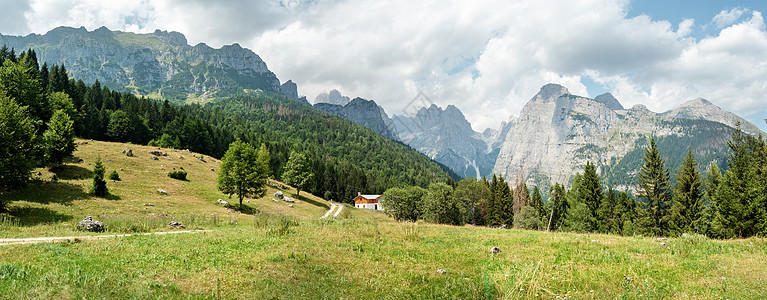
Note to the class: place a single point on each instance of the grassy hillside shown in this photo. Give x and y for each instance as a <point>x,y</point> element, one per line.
<point>291,253</point>
<point>53,208</point>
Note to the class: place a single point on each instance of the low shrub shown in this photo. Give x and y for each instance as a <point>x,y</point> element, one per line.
<point>178,174</point>
<point>114,176</point>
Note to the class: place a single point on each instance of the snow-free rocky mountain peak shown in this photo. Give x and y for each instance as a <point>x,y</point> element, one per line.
<point>159,63</point>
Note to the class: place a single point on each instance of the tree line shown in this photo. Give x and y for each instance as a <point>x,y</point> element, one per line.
<point>343,157</point>
<point>720,204</point>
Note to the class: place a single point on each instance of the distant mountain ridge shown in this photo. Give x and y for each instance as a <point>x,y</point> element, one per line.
<point>557,133</point>
<point>159,63</point>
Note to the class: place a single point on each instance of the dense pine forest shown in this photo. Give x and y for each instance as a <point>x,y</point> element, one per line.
<point>346,158</point>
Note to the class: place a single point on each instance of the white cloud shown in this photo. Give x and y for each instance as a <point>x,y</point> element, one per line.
<point>728,17</point>
<point>487,57</point>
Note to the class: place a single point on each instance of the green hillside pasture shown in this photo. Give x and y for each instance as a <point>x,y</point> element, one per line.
<point>53,208</point>
<point>360,258</point>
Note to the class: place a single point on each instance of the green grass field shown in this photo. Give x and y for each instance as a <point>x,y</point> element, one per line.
<point>290,253</point>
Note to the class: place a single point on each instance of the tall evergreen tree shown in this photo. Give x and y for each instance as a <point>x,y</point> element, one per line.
<point>590,193</point>
<point>654,189</point>
<point>711,185</point>
<point>609,213</point>
<point>688,198</point>
<point>740,201</point>
<point>558,207</point>
<point>536,201</point>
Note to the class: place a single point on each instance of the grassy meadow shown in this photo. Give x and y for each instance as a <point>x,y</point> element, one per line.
<point>282,252</point>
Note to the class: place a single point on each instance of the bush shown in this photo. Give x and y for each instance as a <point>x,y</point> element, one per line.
<point>180,174</point>
<point>114,176</point>
<point>528,218</point>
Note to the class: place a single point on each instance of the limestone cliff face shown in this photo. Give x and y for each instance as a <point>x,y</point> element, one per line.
<point>159,63</point>
<point>557,133</point>
<point>447,137</point>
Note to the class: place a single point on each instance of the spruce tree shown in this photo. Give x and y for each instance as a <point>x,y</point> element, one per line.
<point>536,202</point>
<point>654,189</point>
<point>504,200</point>
<point>608,213</point>
<point>99,187</point>
<point>590,193</point>
<point>688,199</point>
<point>740,199</point>
<point>711,184</point>
<point>558,207</point>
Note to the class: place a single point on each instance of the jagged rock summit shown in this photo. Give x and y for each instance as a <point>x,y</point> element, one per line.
<point>609,100</point>
<point>332,97</point>
<point>361,111</point>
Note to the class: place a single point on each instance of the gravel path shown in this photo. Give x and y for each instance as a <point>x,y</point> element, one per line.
<point>85,237</point>
<point>332,207</point>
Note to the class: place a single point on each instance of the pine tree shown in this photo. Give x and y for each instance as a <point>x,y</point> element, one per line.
<point>99,187</point>
<point>558,207</point>
<point>713,179</point>
<point>740,199</point>
<point>536,202</point>
<point>654,189</point>
<point>688,199</point>
<point>590,193</point>
<point>608,213</point>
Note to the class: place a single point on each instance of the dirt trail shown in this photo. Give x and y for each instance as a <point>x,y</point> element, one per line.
<point>332,207</point>
<point>340,208</point>
<point>36,240</point>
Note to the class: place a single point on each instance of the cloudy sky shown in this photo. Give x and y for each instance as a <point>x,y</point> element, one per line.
<point>486,57</point>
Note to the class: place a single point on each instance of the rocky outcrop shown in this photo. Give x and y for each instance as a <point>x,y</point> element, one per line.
<point>702,109</point>
<point>91,225</point>
<point>364,112</point>
<point>332,97</point>
<point>160,63</point>
<point>447,137</point>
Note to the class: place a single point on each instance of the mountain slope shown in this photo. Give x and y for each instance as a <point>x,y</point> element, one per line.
<point>364,112</point>
<point>447,137</point>
<point>557,133</point>
<point>159,63</point>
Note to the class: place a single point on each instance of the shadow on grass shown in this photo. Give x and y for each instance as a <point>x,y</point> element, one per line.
<point>47,192</point>
<point>245,209</point>
<point>310,201</point>
<point>31,216</point>
<point>68,172</point>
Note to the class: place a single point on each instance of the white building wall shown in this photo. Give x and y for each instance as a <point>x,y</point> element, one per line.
<point>373,206</point>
